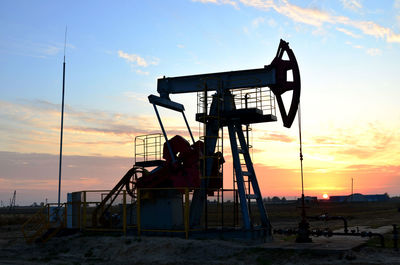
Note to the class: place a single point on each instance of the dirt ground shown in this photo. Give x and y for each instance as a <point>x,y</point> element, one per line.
<point>85,249</point>
<point>107,249</point>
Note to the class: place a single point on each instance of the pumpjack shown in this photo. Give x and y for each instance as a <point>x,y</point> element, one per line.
<point>195,165</point>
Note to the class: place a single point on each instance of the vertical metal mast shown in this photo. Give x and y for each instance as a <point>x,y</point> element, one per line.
<point>352,192</point>
<point>62,122</point>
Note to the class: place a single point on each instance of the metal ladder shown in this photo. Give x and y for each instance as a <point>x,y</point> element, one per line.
<point>246,179</point>
<point>245,170</point>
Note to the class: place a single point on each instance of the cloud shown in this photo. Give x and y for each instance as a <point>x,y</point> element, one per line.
<point>323,140</point>
<point>140,72</point>
<point>354,5</point>
<point>35,175</point>
<point>308,16</point>
<point>272,23</point>
<point>122,130</point>
<point>370,51</point>
<point>373,144</point>
<point>375,30</point>
<point>398,20</point>
<point>348,32</point>
<point>326,188</point>
<point>277,137</point>
<point>136,96</point>
<point>317,18</point>
<point>133,58</point>
<point>361,152</point>
<point>219,2</point>
<point>26,47</point>
<point>51,50</point>
<point>29,126</point>
<point>356,46</point>
<point>396,4</point>
<point>257,21</point>
<point>34,125</point>
<point>374,51</point>
<point>180,46</point>
<point>138,61</point>
<point>394,169</point>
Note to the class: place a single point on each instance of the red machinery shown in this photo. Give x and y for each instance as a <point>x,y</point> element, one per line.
<point>182,172</point>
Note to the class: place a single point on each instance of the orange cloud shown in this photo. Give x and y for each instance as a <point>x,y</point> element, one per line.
<point>32,173</point>
<point>277,137</point>
<point>33,126</point>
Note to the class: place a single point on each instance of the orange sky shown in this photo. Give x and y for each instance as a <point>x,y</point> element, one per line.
<point>348,55</point>
<point>332,156</point>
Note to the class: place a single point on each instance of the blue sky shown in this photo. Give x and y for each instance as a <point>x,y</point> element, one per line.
<point>348,52</point>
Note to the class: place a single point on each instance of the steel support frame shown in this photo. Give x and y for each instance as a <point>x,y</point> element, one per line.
<point>199,201</point>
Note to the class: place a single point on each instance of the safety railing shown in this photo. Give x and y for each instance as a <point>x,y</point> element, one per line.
<point>260,98</point>
<point>45,223</point>
<point>143,214</point>
<point>85,208</point>
<point>148,148</point>
<point>173,204</point>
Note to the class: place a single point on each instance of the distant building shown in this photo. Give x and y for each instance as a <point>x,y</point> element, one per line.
<point>377,197</point>
<point>309,199</point>
<point>338,198</point>
<point>358,197</point>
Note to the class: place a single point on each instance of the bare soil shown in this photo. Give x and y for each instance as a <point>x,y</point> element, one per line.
<point>107,249</point>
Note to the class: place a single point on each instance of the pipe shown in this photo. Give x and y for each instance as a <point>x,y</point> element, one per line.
<point>364,234</point>
<point>326,217</point>
<point>329,233</point>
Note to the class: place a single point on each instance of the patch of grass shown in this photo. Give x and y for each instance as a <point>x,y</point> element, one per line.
<point>13,219</point>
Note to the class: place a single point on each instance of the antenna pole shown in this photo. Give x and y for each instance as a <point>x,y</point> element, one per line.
<point>62,122</point>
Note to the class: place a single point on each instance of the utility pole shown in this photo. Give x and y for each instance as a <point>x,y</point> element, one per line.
<point>352,189</point>
<point>12,201</point>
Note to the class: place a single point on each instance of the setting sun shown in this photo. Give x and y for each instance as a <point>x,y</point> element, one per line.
<point>325,196</point>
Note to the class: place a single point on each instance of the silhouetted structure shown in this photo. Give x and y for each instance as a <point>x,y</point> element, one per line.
<point>358,197</point>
